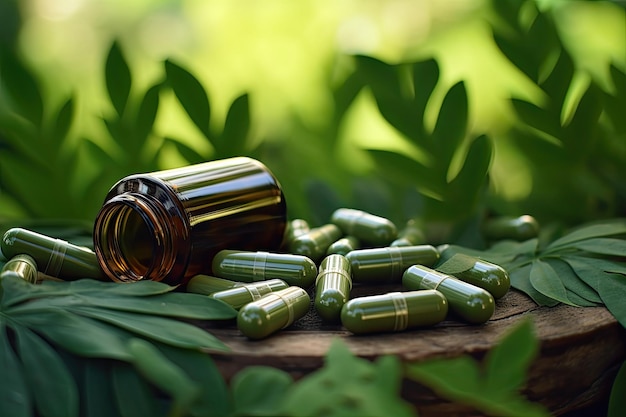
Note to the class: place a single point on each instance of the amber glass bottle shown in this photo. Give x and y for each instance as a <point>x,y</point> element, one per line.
<point>167,225</point>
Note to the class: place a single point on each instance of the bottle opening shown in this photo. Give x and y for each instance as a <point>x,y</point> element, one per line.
<point>131,240</point>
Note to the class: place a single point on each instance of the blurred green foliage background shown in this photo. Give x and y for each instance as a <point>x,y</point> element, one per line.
<point>445,111</point>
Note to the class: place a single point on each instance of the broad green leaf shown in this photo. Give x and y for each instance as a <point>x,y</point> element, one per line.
<point>520,280</point>
<point>62,122</point>
<point>451,125</point>
<point>545,280</point>
<point>557,84</point>
<point>133,395</point>
<point>519,55</point>
<point>190,154</point>
<point>578,291</point>
<point>506,364</point>
<point>615,102</point>
<point>509,10</point>
<point>465,187</point>
<point>22,86</point>
<point>236,128</point>
<point>608,228</point>
<point>190,94</point>
<point>582,129</point>
<point>617,400</point>
<point>214,398</point>
<point>457,378</point>
<point>146,115</point>
<point>168,377</point>
<point>55,391</point>
<point>15,398</point>
<point>168,331</point>
<point>259,390</point>
<point>97,396</point>
<point>118,78</point>
<point>612,290</point>
<point>603,246</point>
<point>79,335</point>
<point>344,96</point>
<point>425,78</point>
<point>180,305</point>
<point>100,288</point>
<point>456,264</point>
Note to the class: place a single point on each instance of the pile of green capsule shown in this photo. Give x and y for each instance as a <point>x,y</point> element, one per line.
<point>271,289</point>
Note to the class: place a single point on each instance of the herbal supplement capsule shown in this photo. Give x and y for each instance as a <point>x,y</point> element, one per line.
<point>471,303</point>
<point>364,226</point>
<point>246,293</point>
<point>21,266</point>
<point>165,225</point>
<point>207,285</point>
<point>332,286</point>
<point>517,228</point>
<point>272,312</point>
<point>343,246</point>
<point>249,266</point>
<point>483,274</point>
<point>394,312</point>
<point>54,257</point>
<point>411,235</point>
<point>295,228</point>
<point>315,242</point>
<point>381,265</point>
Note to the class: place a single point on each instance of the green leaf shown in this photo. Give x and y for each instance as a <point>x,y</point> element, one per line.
<point>457,378</point>
<point>146,114</point>
<point>578,291</point>
<point>425,78</point>
<point>63,121</point>
<point>55,391</point>
<point>558,83</point>
<point>133,395</point>
<point>465,187</point>
<point>79,335</point>
<point>22,86</point>
<point>456,264</point>
<point>98,398</point>
<point>118,78</point>
<point>520,280</point>
<point>404,170</point>
<point>190,154</point>
<point>581,132</point>
<point>617,400</point>
<point>236,128</point>
<point>545,280</point>
<point>608,228</point>
<point>603,246</point>
<point>259,390</point>
<point>175,333</point>
<point>213,398</point>
<point>451,125</point>
<point>190,94</point>
<point>15,398</point>
<point>165,375</point>
<point>348,386</point>
<point>538,118</point>
<point>506,364</point>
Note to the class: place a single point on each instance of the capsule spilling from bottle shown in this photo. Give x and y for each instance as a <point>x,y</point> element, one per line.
<point>332,286</point>
<point>243,294</point>
<point>394,312</point>
<point>315,242</point>
<point>369,228</point>
<point>469,302</point>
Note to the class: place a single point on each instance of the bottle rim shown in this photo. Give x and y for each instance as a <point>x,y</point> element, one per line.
<point>112,236</point>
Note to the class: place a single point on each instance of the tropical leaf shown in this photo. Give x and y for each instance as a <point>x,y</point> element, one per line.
<point>190,94</point>
<point>118,78</point>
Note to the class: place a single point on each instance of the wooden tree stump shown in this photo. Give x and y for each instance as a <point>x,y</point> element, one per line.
<point>581,350</point>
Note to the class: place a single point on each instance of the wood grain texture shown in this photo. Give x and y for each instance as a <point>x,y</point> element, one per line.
<point>580,351</point>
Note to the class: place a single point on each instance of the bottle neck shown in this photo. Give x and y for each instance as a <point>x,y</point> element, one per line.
<point>134,239</point>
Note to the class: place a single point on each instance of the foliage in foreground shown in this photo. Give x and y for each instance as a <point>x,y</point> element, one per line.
<point>92,348</point>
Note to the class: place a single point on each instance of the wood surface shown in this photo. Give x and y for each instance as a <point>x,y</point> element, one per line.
<point>581,350</point>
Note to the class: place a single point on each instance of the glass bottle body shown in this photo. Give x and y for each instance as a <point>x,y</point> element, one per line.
<point>168,225</point>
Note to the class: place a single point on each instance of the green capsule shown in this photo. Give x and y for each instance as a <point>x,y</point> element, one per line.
<point>469,302</point>
<point>386,265</point>
<point>21,266</point>
<point>207,285</point>
<point>332,286</point>
<point>411,235</point>
<point>247,266</point>
<point>394,312</point>
<point>483,274</point>
<point>295,228</point>
<point>343,246</point>
<point>516,228</point>
<point>369,228</point>
<point>272,312</point>
<point>246,293</point>
<point>315,242</point>
<point>54,257</point>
